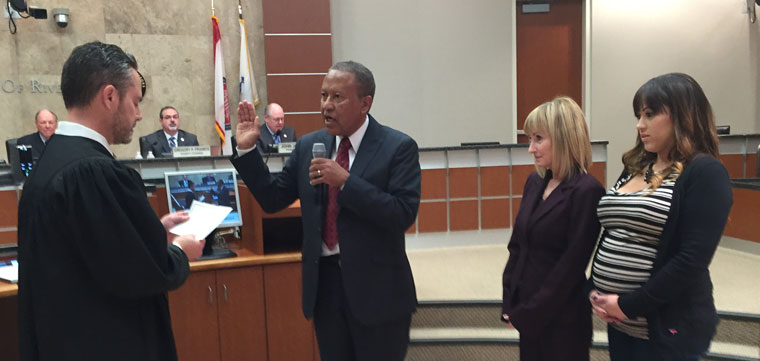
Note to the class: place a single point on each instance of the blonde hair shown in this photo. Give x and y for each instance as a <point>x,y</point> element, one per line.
<point>563,121</point>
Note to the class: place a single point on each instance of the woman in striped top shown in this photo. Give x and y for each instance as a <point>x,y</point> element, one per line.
<point>662,222</point>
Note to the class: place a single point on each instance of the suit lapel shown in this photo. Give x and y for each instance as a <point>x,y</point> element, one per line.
<point>369,146</point>
<point>557,196</point>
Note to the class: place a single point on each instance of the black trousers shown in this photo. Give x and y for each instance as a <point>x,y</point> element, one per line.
<point>627,348</point>
<point>341,336</point>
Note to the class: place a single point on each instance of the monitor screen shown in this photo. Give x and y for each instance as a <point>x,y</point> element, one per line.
<point>215,186</point>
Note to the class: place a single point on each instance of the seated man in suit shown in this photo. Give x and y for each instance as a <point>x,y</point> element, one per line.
<point>163,140</point>
<point>46,123</point>
<point>274,130</point>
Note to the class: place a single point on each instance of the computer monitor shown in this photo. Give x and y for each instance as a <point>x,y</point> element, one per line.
<point>214,186</point>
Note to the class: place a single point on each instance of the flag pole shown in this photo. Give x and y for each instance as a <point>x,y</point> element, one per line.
<point>240,10</point>
<point>212,7</point>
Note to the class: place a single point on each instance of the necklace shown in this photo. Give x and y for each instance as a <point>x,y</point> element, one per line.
<point>649,173</point>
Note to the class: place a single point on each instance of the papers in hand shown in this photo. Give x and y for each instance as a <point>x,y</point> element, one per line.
<point>204,218</point>
<point>9,272</point>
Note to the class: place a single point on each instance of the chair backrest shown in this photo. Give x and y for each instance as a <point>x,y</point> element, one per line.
<point>13,160</point>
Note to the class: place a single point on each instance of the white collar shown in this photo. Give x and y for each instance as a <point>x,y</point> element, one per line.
<point>356,138</point>
<point>79,130</point>
<point>176,136</point>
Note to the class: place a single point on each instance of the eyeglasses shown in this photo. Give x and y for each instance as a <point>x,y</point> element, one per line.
<point>167,117</point>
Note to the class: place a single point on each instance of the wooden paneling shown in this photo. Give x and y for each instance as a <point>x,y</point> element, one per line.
<point>162,203</point>
<point>752,166</point>
<point>9,330</point>
<point>734,164</point>
<point>495,214</point>
<point>597,170</point>
<point>297,93</point>
<point>433,184</point>
<point>8,208</point>
<point>515,208</point>
<point>303,123</point>
<point>742,221</point>
<point>194,318</point>
<point>463,182</point>
<point>298,54</point>
<point>242,314</point>
<point>432,217</point>
<point>549,56</point>
<point>412,229</point>
<point>520,174</point>
<point>8,237</point>
<point>494,181</point>
<point>290,334</point>
<point>464,215</point>
<point>296,16</point>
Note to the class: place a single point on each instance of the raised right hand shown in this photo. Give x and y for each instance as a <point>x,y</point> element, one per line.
<point>193,248</point>
<point>248,126</point>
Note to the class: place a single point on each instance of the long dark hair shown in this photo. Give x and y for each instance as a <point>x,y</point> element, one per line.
<point>682,98</point>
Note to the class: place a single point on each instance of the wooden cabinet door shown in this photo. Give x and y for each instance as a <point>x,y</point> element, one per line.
<point>242,314</point>
<point>194,318</point>
<point>290,334</point>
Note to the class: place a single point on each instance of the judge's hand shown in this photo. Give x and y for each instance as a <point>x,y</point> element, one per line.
<point>193,248</point>
<point>248,126</point>
<point>608,304</point>
<point>323,170</point>
<point>172,219</point>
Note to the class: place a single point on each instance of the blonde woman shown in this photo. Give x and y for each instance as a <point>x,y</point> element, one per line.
<point>554,235</point>
<point>662,222</point>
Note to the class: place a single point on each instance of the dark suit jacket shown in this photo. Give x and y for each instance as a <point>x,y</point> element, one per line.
<point>378,203</point>
<point>156,142</point>
<point>550,248</point>
<point>265,139</point>
<point>35,141</point>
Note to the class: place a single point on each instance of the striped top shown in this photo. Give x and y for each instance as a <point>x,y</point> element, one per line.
<point>632,224</point>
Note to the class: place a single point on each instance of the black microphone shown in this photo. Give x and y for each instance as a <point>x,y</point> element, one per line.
<point>318,150</point>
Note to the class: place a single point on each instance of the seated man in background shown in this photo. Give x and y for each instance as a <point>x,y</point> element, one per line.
<point>46,123</point>
<point>163,140</point>
<point>274,130</point>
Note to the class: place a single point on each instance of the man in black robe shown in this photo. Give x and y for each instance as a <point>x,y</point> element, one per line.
<point>95,262</point>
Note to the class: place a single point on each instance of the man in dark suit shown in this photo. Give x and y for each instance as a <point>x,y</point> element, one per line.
<point>46,123</point>
<point>356,205</point>
<point>161,142</point>
<point>274,131</point>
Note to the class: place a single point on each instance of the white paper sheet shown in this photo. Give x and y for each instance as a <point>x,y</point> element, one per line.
<point>204,218</point>
<point>9,272</point>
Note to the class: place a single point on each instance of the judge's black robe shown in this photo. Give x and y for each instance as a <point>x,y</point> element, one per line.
<point>94,261</point>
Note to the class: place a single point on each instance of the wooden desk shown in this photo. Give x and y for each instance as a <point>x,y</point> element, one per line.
<point>247,307</point>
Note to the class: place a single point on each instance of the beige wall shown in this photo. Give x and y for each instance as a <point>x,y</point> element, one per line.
<point>633,41</point>
<point>443,69</point>
<point>443,72</point>
<point>171,40</point>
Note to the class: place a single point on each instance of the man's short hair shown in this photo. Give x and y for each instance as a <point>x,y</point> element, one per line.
<point>161,112</point>
<point>362,76</point>
<point>37,115</point>
<point>267,109</point>
<point>90,67</point>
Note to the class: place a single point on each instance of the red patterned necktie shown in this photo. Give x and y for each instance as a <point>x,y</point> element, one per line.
<point>330,233</point>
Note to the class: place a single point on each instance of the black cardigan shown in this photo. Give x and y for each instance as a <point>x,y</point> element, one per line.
<point>677,300</point>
